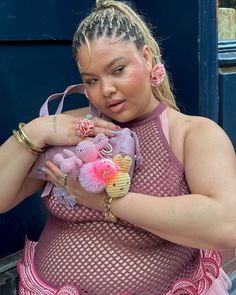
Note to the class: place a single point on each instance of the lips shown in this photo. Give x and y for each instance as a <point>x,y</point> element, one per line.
<point>116,106</point>
<point>113,102</point>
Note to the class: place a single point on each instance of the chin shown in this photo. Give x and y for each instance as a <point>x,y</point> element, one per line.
<point>122,118</point>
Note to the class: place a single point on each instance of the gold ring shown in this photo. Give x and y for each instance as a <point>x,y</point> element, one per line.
<point>63,179</point>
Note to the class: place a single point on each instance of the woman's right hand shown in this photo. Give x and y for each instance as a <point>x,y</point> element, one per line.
<point>60,130</point>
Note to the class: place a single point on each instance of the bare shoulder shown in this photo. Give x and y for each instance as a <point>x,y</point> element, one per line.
<point>188,133</point>
<point>194,127</point>
<point>81,112</point>
<point>209,159</point>
<point>201,130</point>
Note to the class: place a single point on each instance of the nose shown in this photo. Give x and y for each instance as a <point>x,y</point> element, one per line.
<point>108,88</point>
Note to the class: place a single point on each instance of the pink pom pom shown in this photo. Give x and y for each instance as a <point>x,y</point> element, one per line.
<point>89,179</point>
<point>105,168</point>
<point>94,176</point>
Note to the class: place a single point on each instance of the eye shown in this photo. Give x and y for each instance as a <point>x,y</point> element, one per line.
<point>113,184</point>
<point>91,82</point>
<point>118,70</point>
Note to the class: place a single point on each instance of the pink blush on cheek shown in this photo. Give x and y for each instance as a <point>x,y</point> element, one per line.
<point>137,75</point>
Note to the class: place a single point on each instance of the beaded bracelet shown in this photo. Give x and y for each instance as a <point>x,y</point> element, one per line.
<point>24,140</point>
<point>107,209</point>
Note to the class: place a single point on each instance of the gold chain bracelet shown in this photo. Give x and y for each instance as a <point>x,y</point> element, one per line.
<point>107,209</point>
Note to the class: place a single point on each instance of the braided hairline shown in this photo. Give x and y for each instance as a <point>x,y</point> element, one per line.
<point>108,21</point>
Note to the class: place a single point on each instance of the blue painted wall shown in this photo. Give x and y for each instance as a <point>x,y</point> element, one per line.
<point>36,61</point>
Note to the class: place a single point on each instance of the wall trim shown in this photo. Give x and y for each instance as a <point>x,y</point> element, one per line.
<point>208,63</point>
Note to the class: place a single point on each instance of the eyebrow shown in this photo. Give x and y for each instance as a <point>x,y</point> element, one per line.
<point>108,66</point>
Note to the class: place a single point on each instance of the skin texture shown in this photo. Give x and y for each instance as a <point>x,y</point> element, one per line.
<point>116,72</point>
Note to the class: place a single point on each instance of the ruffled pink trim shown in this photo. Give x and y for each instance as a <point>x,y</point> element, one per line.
<point>209,279</point>
<point>200,283</point>
<point>30,282</point>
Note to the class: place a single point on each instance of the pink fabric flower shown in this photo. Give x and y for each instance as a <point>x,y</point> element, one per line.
<point>157,74</point>
<point>84,127</point>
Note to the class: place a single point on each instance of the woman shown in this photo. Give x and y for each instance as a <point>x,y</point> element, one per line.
<point>161,238</point>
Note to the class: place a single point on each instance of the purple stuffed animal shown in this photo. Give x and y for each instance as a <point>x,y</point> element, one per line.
<point>85,151</point>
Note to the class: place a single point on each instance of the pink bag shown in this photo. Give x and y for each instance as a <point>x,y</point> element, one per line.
<point>124,143</point>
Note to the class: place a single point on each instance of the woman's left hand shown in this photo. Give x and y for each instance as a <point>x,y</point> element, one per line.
<point>73,187</point>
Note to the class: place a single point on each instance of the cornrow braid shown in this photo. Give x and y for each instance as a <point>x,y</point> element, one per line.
<point>107,20</point>
<point>118,20</point>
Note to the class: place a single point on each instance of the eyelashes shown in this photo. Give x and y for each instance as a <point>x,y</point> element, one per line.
<point>118,70</point>
<point>115,72</point>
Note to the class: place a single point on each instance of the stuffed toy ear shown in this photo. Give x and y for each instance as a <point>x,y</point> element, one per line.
<point>118,159</point>
<point>100,141</point>
<point>126,164</point>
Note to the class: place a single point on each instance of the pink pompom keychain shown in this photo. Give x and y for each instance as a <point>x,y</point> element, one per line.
<point>94,176</point>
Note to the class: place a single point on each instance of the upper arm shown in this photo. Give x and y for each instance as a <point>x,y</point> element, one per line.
<point>209,161</point>
<point>29,187</point>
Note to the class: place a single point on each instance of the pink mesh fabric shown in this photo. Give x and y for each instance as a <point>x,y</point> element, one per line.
<point>101,258</point>
<point>31,284</point>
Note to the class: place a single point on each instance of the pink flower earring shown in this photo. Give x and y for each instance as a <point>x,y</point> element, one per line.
<point>157,74</point>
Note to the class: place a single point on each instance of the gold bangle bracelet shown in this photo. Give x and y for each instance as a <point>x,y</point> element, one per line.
<point>22,142</point>
<point>107,209</point>
<point>26,139</point>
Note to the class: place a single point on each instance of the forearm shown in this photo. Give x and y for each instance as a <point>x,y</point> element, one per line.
<point>15,162</point>
<point>191,220</point>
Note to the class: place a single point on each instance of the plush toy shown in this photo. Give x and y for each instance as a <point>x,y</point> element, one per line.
<point>94,172</point>
<point>71,163</point>
<point>118,185</point>
<point>85,151</point>
<point>63,197</point>
<point>94,176</point>
<point>109,174</point>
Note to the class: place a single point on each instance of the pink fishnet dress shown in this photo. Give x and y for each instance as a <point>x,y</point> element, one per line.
<point>79,252</point>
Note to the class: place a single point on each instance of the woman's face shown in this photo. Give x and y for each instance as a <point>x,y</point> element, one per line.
<point>117,78</point>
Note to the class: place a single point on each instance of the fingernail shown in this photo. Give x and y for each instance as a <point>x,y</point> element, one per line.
<point>89,116</point>
<point>117,127</point>
<point>113,133</point>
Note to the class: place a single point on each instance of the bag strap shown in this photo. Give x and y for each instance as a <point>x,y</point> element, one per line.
<point>77,88</point>
<point>72,89</point>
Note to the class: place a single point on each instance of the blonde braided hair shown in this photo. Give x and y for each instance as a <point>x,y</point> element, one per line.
<point>116,19</point>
